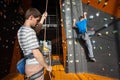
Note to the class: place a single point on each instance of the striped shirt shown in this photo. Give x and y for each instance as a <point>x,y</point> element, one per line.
<point>27,40</point>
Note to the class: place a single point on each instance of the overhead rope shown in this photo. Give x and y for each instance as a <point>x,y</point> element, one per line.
<point>46,5</point>
<point>45,22</point>
<point>44,43</point>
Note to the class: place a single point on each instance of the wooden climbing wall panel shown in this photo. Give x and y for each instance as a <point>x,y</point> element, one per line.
<point>109,6</point>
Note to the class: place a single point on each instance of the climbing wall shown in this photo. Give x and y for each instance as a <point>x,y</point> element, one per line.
<point>75,60</point>
<point>10,20</point>
<point>109,6</point>
<point>105,41</point>
<point>104,19</point>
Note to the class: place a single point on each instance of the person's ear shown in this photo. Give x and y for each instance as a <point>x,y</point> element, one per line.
<point>31,17</point>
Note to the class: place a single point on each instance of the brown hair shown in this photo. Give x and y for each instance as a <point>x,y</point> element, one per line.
<point>81,17</point>
<point>32,11</point>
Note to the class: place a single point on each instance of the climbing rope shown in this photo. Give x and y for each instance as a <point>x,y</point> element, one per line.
<point>45,23</point>
<point>44,43</point>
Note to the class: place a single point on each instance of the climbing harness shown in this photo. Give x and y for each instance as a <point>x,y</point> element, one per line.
<point>36,75</point>
<point>21,67</point>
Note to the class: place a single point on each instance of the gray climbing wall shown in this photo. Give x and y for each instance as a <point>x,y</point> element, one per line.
<point>106,42</point>
<point>76,61</point>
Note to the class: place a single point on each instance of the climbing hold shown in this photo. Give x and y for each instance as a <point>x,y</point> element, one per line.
<point>115,31</point>
<point>106,25</point>
<point>99,1</point>
<point>70,42</point>
<point>105,19</point>
<point>63,41</point>
<point>106,3</point>
<point>71,55</point>
<point>69,36</point>
<point>111,18</point>
<point>109,54</point>
<point>106,32</point>
<point>108,47</point>
<point>4,16</point>
<point>13,28</point>
<point>92,29</point>
<point>6,46</point>
<point>69,31</point>
<point>103,69</point>
<point>12,42</point>
<point>91,17</point>
<point>111,70</point>
<point>100,47</point>
<point>68,9</point>
<point>76,60</point>
<point>68,3</point>
<point>63,4</point>
<point>75,42</point>
<point>73,3</point>
<point>7,40</point>
<point>88,2</point>
<point>93,41</point>
<point>94,47</point>
<point>61,21</point>
<point>99,34</point>
<point>97,14</point>
<point>71,61</point>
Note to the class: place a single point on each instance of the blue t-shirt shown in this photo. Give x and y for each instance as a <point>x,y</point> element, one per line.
<point>81,25</point>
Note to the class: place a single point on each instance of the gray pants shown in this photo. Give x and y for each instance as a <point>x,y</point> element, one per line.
<point>87,40</point>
